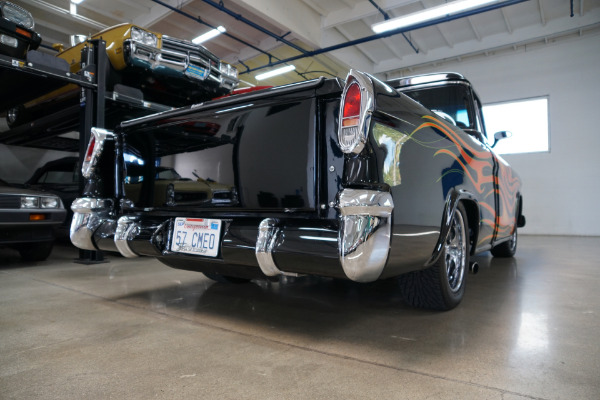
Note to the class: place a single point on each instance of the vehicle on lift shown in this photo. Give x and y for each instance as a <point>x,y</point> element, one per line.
<point>167,70</point>
<point>172,188</point>
<point>17,36</point>
<point>28,221</point>
<point>345,179</point>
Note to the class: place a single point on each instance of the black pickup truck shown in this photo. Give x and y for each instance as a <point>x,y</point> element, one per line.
<point>357,179</point>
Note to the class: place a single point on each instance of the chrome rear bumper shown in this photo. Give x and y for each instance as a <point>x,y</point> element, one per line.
<point>355,247</point>
<point>88,215</point>
<point>365,233</point>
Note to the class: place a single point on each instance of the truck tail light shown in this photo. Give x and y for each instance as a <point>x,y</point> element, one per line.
<point>90,149</point>
<point>355,112</point>
<point>94,149</point>
<point>351,115</point>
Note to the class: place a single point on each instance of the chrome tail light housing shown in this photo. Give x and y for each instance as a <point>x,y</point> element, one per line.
<point>356,108</point>
<point>98,138</point>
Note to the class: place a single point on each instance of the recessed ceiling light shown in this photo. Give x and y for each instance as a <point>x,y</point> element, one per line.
<point>275,72</point>
<point>429,14</point>
<point>209,35</point>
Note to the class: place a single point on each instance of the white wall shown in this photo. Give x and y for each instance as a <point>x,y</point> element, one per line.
<point>561,188</point>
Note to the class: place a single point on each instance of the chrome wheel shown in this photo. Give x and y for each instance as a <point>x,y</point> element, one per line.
<point>442,286</point>
<point>455,249</point>
<point>12,115</point>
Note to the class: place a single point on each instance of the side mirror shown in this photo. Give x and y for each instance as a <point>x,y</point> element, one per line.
<point>498,136</point>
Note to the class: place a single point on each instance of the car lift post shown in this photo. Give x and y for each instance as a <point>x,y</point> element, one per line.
<point>92,102</point>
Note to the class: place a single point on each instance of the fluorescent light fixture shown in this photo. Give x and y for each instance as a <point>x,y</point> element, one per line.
<point>73,8</point>
<point>429,14</point>
<point>76,1</point>
<point>275,72</point>
<point>209,35</point>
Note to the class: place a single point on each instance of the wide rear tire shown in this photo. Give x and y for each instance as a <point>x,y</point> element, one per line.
<point>442,286</point>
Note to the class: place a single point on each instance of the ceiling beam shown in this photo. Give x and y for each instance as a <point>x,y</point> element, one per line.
<point>441,29</point>
<point>542,17</point>
<point>362,10</point>
<point>66,30</point>
<point>530,34</point>
<point>387,42</point>
<point>349,56</point>
<point>360,47</point>
<point>508,26</point>
<point>51,8</point>
<point>100,11</point>
<point>246,53</point>
<point>158,12</point>
<point>477,34</point>
<point>293,16</point>
<point>317,8</point>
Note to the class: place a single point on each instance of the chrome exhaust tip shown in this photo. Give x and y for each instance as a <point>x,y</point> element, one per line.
<point>473,267</point>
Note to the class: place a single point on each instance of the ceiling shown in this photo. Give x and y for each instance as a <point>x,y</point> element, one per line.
<point>289,28</point>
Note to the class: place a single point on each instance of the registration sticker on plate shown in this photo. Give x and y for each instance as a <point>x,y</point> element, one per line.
<point>196,236</point>
<point>196,72</point>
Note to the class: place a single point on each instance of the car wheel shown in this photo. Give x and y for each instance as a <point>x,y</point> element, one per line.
<point>15,116</point>
<point>224,278</point>
<point>442,286</point>
<point>35,252</point>
<point>506,249</point>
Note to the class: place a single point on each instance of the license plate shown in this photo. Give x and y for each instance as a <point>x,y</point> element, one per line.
<point>199,236</point>
<point>196,72</point>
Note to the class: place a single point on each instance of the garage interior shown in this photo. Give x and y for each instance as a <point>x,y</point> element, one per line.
<point>526,329</point>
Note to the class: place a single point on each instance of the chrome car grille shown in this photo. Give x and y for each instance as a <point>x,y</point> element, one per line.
<point>197,54</point>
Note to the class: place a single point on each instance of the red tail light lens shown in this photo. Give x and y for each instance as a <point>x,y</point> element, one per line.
<point>90,149</point>
<point>356,108</point>
<point>351,114</point>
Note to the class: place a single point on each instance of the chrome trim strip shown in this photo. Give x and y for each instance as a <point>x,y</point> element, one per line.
<point>365,232</point>
<point>127,229</point>
<point>88,215</point>
<point>267,240</point>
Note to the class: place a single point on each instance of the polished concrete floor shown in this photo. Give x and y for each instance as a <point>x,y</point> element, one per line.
<point>528,328</point>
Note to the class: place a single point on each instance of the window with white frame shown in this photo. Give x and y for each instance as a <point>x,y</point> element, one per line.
<point>526,119</point>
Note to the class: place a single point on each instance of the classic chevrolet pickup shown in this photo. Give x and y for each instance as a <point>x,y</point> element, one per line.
<point>347,179</point>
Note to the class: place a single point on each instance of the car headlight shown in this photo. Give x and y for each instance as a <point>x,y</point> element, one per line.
<point>30,202</point>
<point>50,202</point>
<point>228,70</point>
<point>16,14</point>
<point>145,37</point>
<point>9,41</point>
